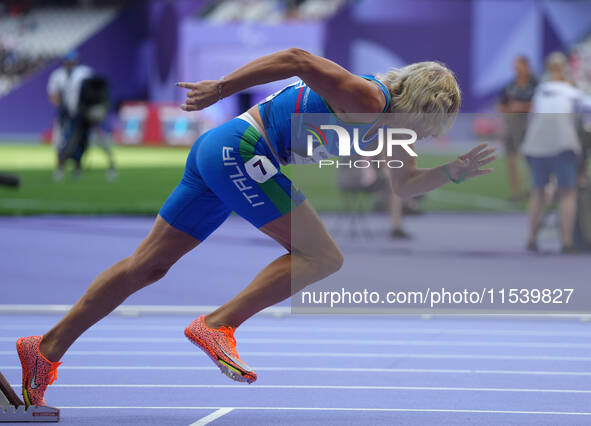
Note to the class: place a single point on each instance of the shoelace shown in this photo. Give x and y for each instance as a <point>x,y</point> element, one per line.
<point>52,375</point>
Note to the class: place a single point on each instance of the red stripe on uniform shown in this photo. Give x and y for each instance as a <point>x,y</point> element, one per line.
<point>298,100</point>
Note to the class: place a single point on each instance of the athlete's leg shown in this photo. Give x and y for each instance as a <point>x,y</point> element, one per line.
<point>163,246</point>
<point>188,216</point>
<point>237,165</point>
<point>311,256</point>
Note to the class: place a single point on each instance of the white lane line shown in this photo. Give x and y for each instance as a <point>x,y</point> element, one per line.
<point>211,417</point>
<point>273,311</point>
<point>297,370</point>
<point>134,310</point>
<point>316,330</point>
<point>348,342</point>
<point>12,353</point>
<point>396,410</point>
<point>405,330</point>
<point>334,387</point>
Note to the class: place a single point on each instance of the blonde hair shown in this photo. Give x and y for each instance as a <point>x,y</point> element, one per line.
<point>427,91</point>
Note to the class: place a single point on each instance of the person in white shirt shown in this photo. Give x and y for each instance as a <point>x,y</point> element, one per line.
<point>63,89</point>
<point>72,129</point>
<point>552,147</point>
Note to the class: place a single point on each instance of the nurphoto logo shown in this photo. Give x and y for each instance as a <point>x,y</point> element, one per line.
<point>317,139</point>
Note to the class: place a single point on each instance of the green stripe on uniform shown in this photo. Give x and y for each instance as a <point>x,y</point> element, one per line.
<point>280,199</point>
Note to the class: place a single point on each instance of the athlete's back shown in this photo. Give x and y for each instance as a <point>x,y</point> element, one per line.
<point>297,98</point>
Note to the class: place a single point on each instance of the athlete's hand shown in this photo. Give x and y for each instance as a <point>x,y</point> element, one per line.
<point>201,94</point>
<point>469,165</point>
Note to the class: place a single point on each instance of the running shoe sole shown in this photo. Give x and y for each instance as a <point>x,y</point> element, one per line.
<point>226,369</point>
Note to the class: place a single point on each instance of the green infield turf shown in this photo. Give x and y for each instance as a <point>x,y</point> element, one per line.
<point>148,174</point>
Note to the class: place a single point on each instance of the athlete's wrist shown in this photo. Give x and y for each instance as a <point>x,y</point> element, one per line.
<point>453,174</point>
<point>220,87</point>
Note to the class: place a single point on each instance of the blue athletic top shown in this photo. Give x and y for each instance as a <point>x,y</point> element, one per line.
<point>297,98</point>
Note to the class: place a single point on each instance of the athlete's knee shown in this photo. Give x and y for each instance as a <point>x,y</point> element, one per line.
<point>329,262</point>
<point>150,273</point>
<point>146,270</point>
<point>335,260</point>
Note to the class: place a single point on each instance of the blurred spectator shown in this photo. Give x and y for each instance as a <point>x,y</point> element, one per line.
<point>584,127</point>
<point>395,211</point>
<point>552,147</point>
<point>68,88</point>
<point>515,103</point>
<point>354,183</point>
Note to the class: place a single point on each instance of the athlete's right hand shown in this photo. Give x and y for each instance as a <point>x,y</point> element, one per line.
<point>201,94</point>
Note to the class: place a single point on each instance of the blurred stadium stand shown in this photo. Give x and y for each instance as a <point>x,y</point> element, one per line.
<point>31,33</point>
<point>144,47</point>
<point>269,11</point>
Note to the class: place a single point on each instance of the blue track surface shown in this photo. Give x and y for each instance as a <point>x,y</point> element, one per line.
<point>325,370</point>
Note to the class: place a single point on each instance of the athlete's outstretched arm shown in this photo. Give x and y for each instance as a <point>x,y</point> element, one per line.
<point>409,181</point>
<point>344,91</point>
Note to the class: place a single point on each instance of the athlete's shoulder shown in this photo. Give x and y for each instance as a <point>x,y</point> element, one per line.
<point>383,88</point>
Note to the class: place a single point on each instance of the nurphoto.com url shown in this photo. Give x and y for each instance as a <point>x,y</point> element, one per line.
<point>438,297</point>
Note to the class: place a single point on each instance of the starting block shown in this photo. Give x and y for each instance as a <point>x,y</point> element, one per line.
<point>12,408</point>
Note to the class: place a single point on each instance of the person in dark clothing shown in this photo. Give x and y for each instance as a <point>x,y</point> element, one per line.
<point>515,103</point>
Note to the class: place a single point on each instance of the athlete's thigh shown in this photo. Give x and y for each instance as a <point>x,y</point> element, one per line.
<point>238,167</point>
<point>193,207</point>
<point>303,231</point>
<point>164,245</point>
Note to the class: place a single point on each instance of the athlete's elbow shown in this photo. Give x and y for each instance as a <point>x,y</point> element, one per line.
<point>300,59</point>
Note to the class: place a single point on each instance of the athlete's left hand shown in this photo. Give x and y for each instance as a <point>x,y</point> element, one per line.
<point>201,94</point>
<point>469,165</point>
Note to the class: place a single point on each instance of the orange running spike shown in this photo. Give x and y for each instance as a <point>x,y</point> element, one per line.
<point>220,345</point>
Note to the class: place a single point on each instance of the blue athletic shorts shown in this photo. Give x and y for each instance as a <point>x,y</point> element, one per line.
<point>564,166</point>
<point>230,168</point>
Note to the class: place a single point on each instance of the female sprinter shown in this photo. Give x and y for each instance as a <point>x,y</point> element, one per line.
<point>218,180</point>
